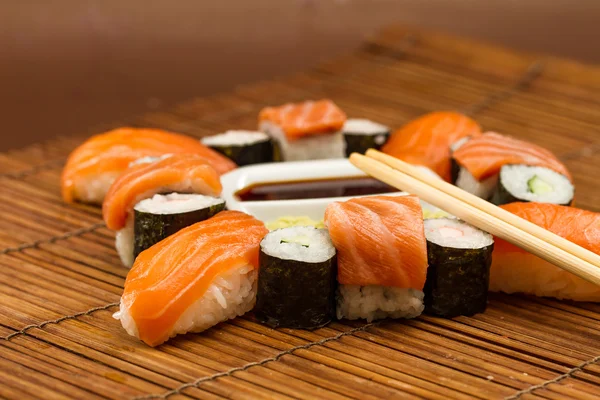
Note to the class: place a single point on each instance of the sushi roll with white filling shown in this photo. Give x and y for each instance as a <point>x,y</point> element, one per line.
<point>242,147</point>
<point>363,134</point>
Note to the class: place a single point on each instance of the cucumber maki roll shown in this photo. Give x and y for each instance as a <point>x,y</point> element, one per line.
<point>161,216</point>
<point>243,147</point>
<point>363,134</point>
<point>459,257</point>
<point>523,183</point>
<point>296,278</point>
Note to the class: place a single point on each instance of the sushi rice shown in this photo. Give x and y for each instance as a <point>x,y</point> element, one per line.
<point>378,302</point>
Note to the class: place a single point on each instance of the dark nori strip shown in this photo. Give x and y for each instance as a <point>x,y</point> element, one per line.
<point>295,294</point>
<point>248,154</point>
<point>454,170</point>
<point>360,143</point>
<point>503,196</point>
<point>457,280</point>
<point>150,228</point>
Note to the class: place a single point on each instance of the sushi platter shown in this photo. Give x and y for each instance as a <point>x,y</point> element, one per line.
<point>237,246</point>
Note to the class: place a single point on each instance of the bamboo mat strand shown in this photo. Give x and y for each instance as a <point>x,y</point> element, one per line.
<point>59,259</point>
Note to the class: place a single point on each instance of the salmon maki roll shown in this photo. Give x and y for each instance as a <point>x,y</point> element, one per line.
<point>180,173</point>
<point>503,169</point>
<point>382,256</point>
<point>310,130</point>
<point>516,271</point>
<point>200,276</point>
<point>426,140</point>
<point>93,167</point>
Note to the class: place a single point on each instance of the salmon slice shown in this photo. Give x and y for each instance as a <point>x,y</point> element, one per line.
<point>483,156</point>
<point>184,173</point>
<point>94,165</point>
<point>514,270</point>
<point>380,240</point>
<point>306,118</point>
<point>173,274</point>
<point>426,140</point>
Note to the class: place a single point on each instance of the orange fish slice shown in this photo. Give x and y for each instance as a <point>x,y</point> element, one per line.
<point>94,165</point>
<point>306,118</point>
<point>483,156</point>
<point>426,140</point>
<point>186,173</point>
<point>168,278</point>
<point>380,240</point>
<point>514,270</point>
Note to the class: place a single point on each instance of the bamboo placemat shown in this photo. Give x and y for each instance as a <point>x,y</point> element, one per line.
<point>60,277</point>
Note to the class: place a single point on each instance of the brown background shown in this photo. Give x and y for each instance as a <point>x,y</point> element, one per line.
<point>67,66</point>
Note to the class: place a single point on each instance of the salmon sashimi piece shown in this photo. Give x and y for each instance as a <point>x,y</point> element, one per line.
<point>514,270</point>
<point>380,240</point>
<point>174,274</point>
<point>483,156</point>
<point>93,166</point>
<point>426,140</point>
<point>184,173</point>
<point>306,118</point>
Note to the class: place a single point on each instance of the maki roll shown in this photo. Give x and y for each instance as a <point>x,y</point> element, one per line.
<point>520,183</point>
<point>242,147</point>
<point>180,173</point>
<point>382,256</point>
<point>459,257</point>
<point>296,278</point>
<point>310,130</point>
<point>194,279</point>
<point>161,216</point>
<point>363,134</point>
<point>476,163</point>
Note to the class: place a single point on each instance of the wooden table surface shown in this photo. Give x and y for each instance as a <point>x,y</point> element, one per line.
<point>61,279</point>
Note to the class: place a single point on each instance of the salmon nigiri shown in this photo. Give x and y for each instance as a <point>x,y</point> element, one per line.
<point>506,169</point>
<point>426,140</point>
<point>308,130</point>
<point>183,173</point>
<point>516,271</point>
<point>194,279</point>
<point>382,256</point>
<point>93,166</point>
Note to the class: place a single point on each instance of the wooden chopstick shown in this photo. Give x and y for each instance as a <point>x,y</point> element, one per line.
<point>482,214</point>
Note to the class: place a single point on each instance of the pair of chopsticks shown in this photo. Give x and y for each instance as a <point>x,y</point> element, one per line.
<point>482,214</point>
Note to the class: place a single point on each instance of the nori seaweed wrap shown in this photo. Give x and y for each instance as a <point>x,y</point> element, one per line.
<point>296,278</point>
<point>243,147</point>
<point>163,215</point>
<point>458,275</point>
<point>363,134</point>
<point>524,183</point>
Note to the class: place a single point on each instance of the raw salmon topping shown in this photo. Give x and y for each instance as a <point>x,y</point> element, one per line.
<point>111,153</point>
<point>426,140</point>
<point>170,276</point>
<point>485,155</point>
<point>189,173</point>
<point>306,118</point>
<point>380,240</point>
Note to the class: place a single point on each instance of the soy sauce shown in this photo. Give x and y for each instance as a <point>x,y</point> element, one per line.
<point>314,189</point>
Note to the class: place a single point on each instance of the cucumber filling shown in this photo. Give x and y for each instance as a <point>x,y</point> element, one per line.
<point>536,185</point>
<point>302,240</point>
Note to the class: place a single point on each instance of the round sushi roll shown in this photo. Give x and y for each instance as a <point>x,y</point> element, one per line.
<point>242,147</point>
<point>524,183</point>
<point>296,278</point>
<point>161,216</point>
<point>459,257</point>
<point>363,134</point>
